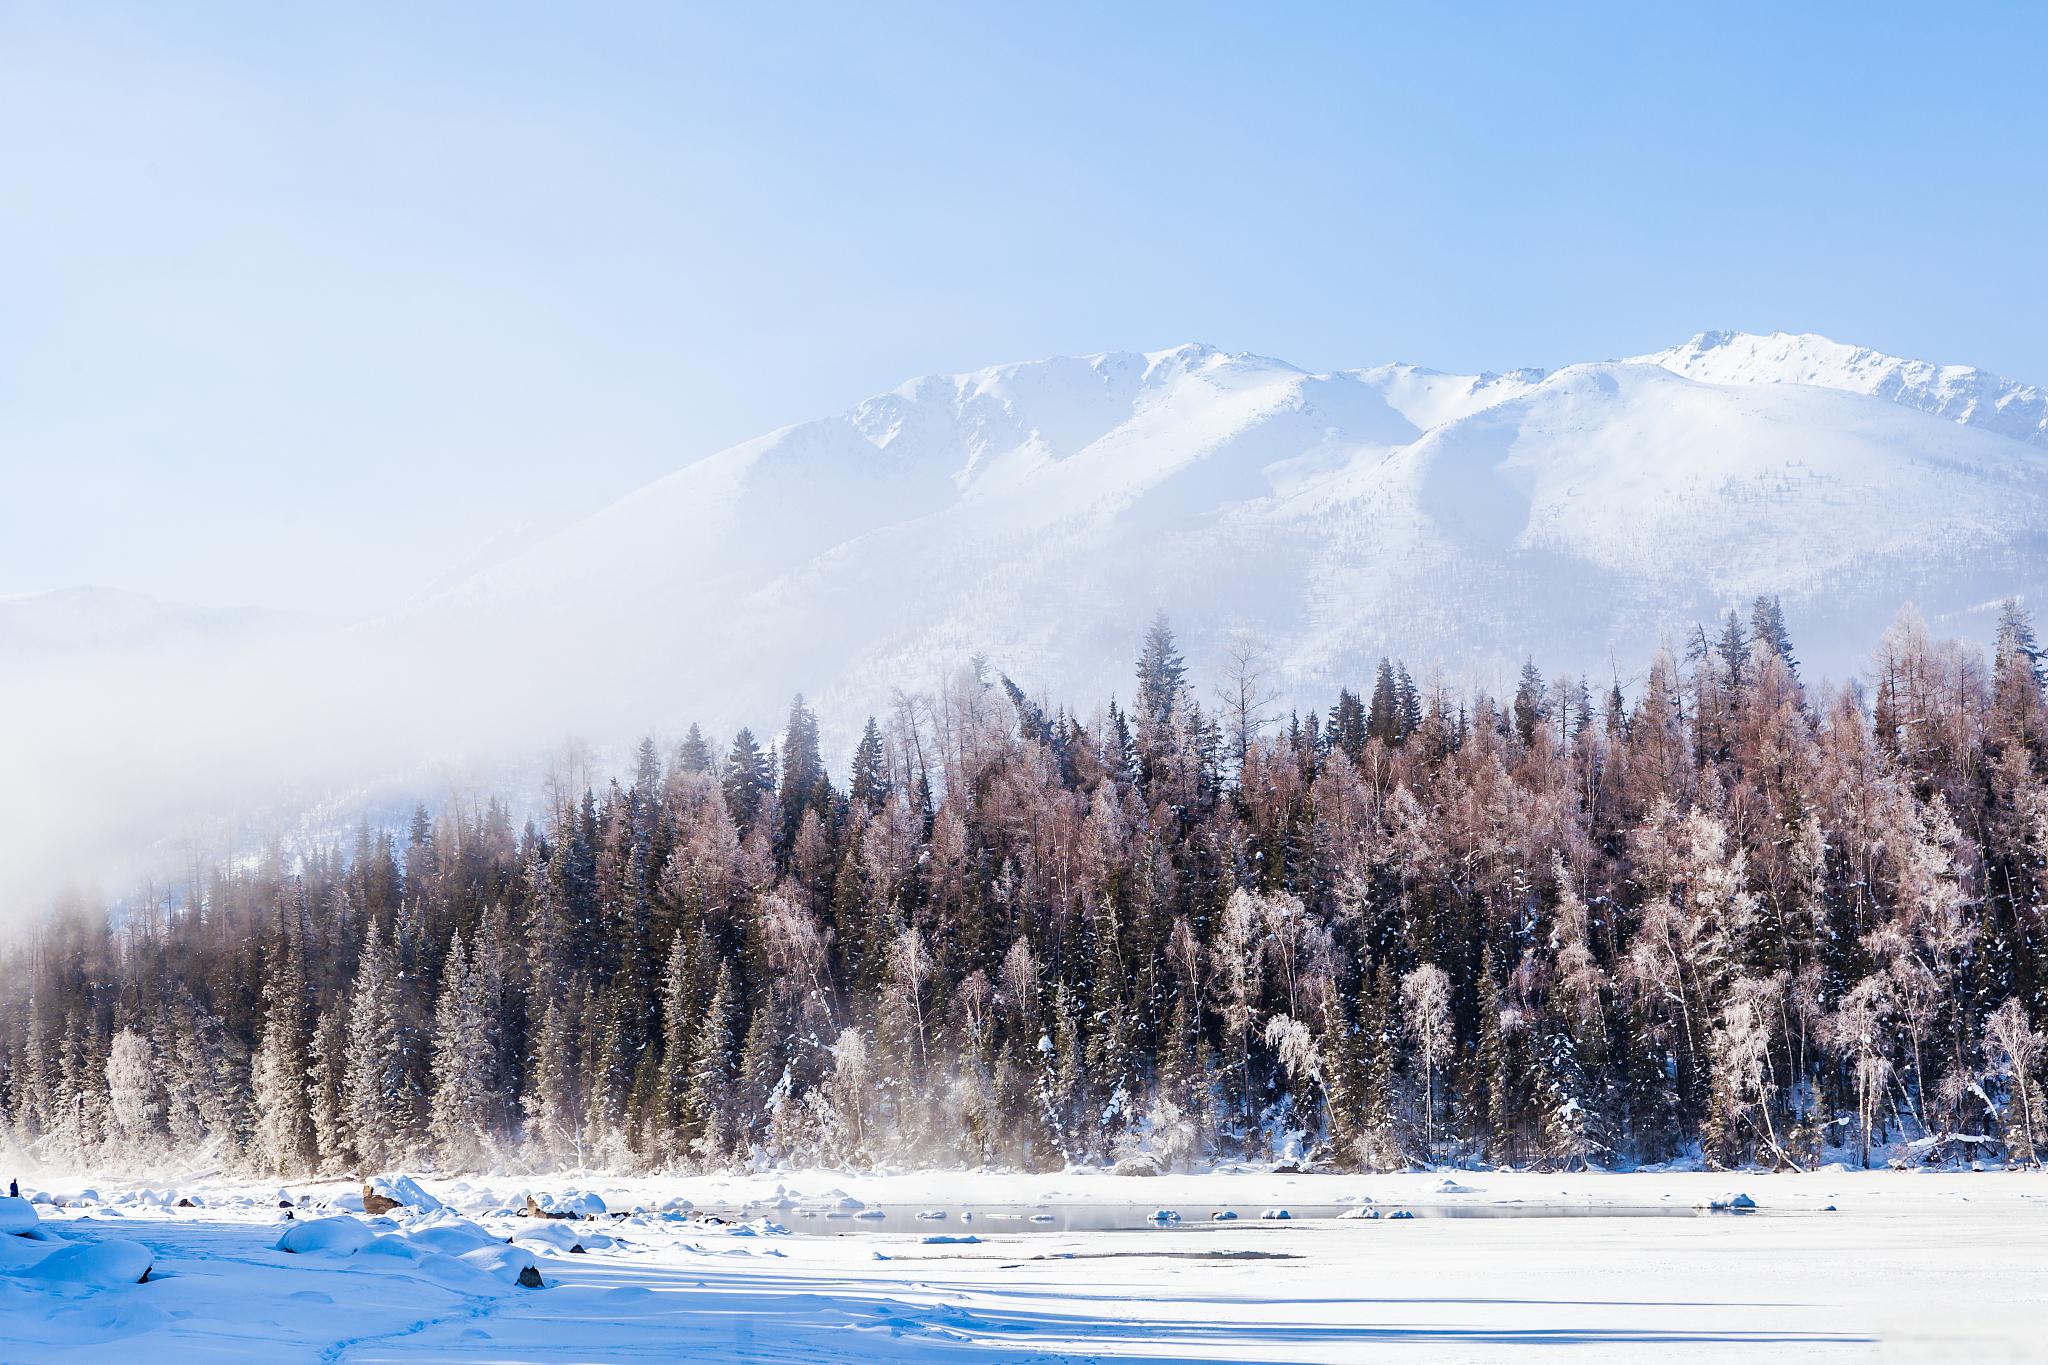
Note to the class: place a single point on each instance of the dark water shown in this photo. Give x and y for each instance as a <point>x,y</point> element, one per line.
<point>1009,1220</point>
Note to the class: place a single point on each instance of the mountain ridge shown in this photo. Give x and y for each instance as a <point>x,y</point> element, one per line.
<point>1037,512</point>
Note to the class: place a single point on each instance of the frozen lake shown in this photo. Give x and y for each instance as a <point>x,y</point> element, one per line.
<point>1834,1266</point>
<point>1046,1219</point>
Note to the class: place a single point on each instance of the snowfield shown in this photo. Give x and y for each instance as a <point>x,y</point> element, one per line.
<point>1831,1266</point>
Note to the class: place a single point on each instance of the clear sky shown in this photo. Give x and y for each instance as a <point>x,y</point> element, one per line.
<point>299,305</point>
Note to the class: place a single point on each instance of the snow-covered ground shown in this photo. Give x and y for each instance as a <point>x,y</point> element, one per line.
<point>1830,1266</point>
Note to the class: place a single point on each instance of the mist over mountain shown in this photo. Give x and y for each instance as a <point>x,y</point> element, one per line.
<point>1037,515</point>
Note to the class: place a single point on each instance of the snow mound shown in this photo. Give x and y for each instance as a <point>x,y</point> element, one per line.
<point>509,1263</point>
<point>94,1265</point>
<point>568,1204</point>
<point>17,1216</point>
<point>340,1235</point>
<point>1730,1203</point>
<point>1223,1216</point>
<point>1276,1215</point>
<point>1362,1211</point>
<point>952,1239</point>
<point>454,1236</point>
<point>391,1245</point>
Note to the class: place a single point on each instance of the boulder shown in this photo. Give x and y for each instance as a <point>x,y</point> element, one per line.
<point>383,1193</point>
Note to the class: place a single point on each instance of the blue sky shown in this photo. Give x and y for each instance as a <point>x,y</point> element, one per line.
<point>304,303</point>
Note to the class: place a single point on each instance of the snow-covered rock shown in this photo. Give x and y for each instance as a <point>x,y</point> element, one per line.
<point>383,1193</point>
<point>569,1204</point>
<point>510,1263</point>
<point>93,1265</point>
<point>1730,1203</point>
<point>341,1235</point>
<point>17,1215</point>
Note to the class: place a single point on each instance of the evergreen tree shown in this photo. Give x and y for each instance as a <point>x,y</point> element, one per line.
<point>869,781</point>
<point>748,779</point>
<point>1767,628</point>
<point>694,755</point>
<point>461,1062</point>
<point>709,1102</point>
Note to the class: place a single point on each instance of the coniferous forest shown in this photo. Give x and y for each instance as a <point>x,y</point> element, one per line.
<point>1723,915</point>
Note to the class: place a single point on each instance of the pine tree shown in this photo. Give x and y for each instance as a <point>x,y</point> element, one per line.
<point>709,1102</point>
<point>1767,628</point>
<point>694,755</point>
<point>1530,708</point>
<point>1162,675</point>
<point>460,1115</point>
<point>748,779</point>
<point>284,1124</point>
<point>1349,726</point>
<point>805,787</point>
<point>1383,715</point>
<point>869,781</point>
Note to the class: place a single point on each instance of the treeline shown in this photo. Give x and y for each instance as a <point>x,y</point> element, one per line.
<point>1736,918</point>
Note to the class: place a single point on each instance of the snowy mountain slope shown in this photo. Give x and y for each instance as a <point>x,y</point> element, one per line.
<point>1959,393</point>
<point>1039,513</point>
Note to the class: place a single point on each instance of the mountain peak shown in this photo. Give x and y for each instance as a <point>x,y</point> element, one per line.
<point>1958,393</point>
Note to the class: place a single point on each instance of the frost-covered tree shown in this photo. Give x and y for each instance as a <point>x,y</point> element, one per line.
<point>1426,1019</point>
<point>132,1085</point>
<point>462,1063</point>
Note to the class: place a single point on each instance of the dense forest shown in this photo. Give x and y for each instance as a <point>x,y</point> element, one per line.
<point>1728,917</point>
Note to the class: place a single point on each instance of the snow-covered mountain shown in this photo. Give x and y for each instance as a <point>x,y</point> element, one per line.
<point>1039,513</point>
<point>1960,393</point>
